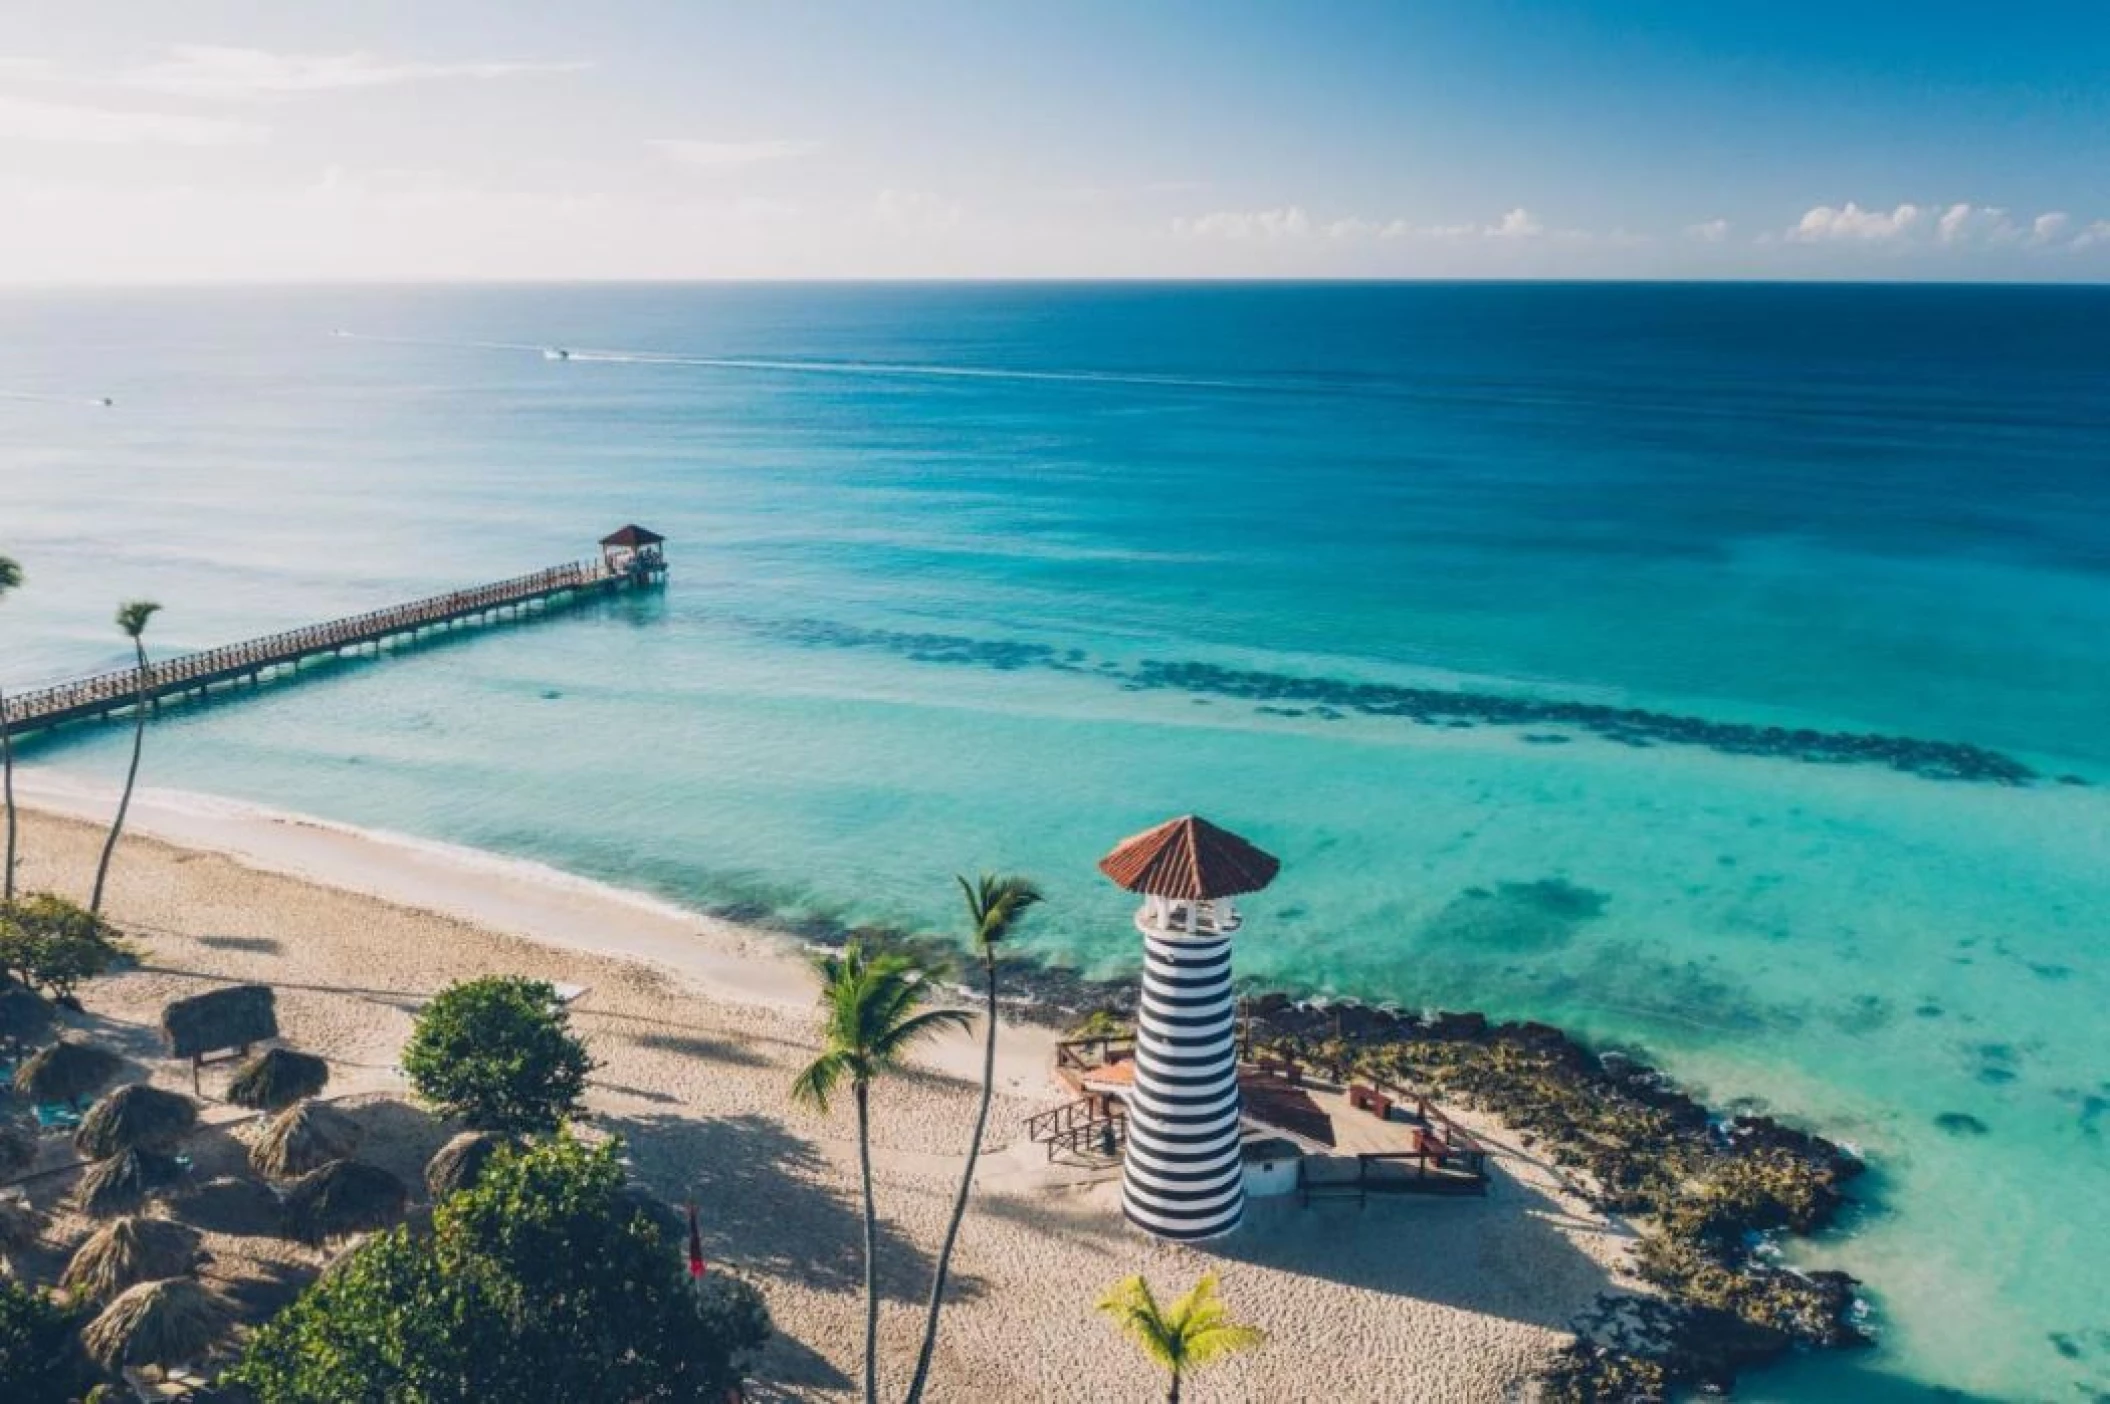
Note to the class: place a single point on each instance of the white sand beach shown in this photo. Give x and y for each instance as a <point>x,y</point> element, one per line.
<point>699,1027</point>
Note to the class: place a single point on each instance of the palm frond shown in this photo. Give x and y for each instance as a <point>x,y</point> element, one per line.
<point>996,904</point>
<point>1200,1299</point>
<point>901,1037</point>
<point>1213,1343</point>
<point>10,574</point>
<point>132,616</point>
<point>1135,1314</point>
<point>817,1083</point>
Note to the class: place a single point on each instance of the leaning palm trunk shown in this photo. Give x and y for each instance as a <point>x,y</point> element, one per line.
<point>139,739</point>
<point>864,1165</point>
<point>959,1201</point>
<point>7,796</point>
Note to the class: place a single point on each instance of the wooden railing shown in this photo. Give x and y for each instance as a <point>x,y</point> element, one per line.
<point>1085,1125</point>
<point>122,687</point>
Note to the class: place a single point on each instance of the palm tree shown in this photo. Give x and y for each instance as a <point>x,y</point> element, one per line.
<point>132,618</point>
<point>995,905</point>
<point>10,579</point>
<point>874,1014</point>
<point>1191,1334</point>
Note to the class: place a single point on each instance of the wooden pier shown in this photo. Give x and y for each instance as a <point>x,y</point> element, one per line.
<point>630,558</point>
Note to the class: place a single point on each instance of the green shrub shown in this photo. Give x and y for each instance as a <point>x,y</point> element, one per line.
<point>540,1281</point>
<point>41,1361</point>
<point>498,1053</point>
<point>53,944</point>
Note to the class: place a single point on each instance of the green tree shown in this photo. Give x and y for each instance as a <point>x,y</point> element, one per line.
<point>995,906</point>
<point>498,1052</point>
<point>873,1009</point>
<point>1192,1333</point>
<point>132,618</point>
<point>10,581</point>
<point>543,1280</point>
<point>54,944</point>
<point>41,1361</point>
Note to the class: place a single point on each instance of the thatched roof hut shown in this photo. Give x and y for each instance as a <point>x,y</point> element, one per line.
<point>20,1224</point>
<point>171,1322</point>
<point>23,1015</point>
<point>66,1072</point>
<point>278,1077</point>
<point>343,1197</point>
<point>134,1117</point>
<point>124,1182</point>
<point>18,1149</point>
<point>456,1165</point>
<point>305,1136</point>
<point>232,1204</point>
<point>234,1017</point>
<point>127,1251</point>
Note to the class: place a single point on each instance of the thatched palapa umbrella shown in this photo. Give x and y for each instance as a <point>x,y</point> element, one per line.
<point>343,1197</point>
<point>129,1251</point>
<point>456,1165</point>
<point>122,1183</point>
<point>277,1078</point>
<point>233,1017</point>
<point>305,1136</point>
<point>20,1224</point>
<point>66,1072</point>
<point>23,1015</point>
<point>18,1149</point>
<point>134,1117</point>
<point>171,1322</point>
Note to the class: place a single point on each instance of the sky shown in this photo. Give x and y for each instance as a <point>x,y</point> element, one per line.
<point>188,140</point>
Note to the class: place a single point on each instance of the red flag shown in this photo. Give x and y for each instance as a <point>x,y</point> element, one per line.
<point>695,1245</point>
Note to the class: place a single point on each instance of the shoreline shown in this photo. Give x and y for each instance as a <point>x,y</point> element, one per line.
<point>1437,1299</point>
<point>1460,1056</point>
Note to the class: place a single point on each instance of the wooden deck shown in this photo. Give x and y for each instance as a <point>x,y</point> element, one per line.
<point>1357,1140</point>
<point>104,694</point>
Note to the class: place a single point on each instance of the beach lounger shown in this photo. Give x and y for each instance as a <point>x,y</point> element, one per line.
<point>569,994</point>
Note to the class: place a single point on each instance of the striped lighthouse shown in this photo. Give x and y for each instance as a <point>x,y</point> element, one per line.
<point>1183,1176</point>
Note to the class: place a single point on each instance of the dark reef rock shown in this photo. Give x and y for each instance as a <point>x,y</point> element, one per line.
<point>1282,694</point>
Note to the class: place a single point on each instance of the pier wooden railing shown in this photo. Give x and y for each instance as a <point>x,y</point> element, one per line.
<point>120,688</point>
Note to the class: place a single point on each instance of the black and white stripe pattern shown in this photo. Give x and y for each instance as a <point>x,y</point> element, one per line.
<point>1182,1176</point>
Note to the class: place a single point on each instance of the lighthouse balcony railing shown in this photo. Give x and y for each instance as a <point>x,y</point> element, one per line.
<point>1176,917</point>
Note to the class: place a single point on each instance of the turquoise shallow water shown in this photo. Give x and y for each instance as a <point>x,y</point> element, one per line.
<point>934,545</point>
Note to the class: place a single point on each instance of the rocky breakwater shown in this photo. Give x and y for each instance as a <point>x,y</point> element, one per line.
<point>1710,1193</point>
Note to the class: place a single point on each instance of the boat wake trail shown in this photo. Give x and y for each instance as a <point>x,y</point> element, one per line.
<point>36,398</point>
<point>773,365</point>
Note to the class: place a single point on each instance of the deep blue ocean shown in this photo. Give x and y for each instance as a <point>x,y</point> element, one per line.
<point>992,576</point>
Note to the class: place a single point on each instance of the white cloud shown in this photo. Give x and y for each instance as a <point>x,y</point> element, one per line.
<point>27,119</point>
<point>224,72</point>
<point>723,154</point>
<point>2046,228</point>
<point>1712,231</point>
<point>1517,224</point>
<point>1285,222</point>
<point>2096,233</point>
<point>1851,223</point>
<point>1290,222</point>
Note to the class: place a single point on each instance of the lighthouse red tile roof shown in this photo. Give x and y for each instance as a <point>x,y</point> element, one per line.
<point>1189,858</point>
